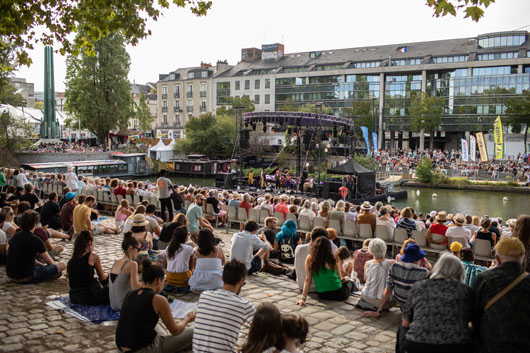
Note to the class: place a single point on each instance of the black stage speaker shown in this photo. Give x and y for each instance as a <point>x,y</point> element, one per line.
<point>244,138</point>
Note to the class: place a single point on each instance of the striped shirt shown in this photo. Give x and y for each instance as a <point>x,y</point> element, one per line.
<point>408,224</point>
<point>471,271</point>
<point>401,278</point>
<point>220,315</point>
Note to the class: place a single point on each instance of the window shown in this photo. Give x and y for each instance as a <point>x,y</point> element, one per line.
<point>247,84</point>
<point>256,99</point>
<point>177,119</point>
<point>491,71</point>
<point>256,84</point>
<point>502,40</point>
<point>449,59</point>
<point>406,62</point>
<point>191,74</point>
<point>204,74</point>
<point>177,166</point>
<point>498,56</point>
<point>172,77</point>
<point>328,67</point>
<point>267,99</point>
<point>203,89</point>
<point>164,89</point>
<point>189,106</point>
<point>164,119</point>
<point>267,83</point>
<point>366,64</point>
<point>189,91</point>
<point>203,106</point>
<point>238,85</point>
<point>177,105</point>
<point>197,167</point>
<point>176,90</point>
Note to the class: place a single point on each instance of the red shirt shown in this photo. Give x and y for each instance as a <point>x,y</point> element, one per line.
<point>120,191</point>
<point>438,228</point>
<point>283,208</point>
<point>246,205</point>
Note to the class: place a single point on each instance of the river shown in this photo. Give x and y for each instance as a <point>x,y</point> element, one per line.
<point>478,203</point>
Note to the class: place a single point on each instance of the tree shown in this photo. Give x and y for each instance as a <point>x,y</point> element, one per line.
<point>143,114</point>
<point>39,105</point>
<point>210,135</point>
<point>518,111</point>
<point>19,20</point>
<point>426,113</point>
<point>472,8</point>
<point>97,89</point>
<point>424,171</point>
<point>362,111</point>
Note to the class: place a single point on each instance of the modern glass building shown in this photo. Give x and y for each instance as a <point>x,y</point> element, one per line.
<point>475,77</point>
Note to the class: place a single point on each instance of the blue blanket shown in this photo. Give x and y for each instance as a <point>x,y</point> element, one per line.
<point>91,313</point>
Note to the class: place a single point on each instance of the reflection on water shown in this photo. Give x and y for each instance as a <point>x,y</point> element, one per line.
<point>478,203</point>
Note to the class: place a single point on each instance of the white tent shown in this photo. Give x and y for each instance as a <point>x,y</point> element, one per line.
<point>162,152</point>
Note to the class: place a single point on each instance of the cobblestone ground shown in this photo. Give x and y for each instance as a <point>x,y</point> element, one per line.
<point>28,325</point>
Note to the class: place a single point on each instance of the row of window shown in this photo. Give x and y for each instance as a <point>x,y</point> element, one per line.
<point>406,62</point>
<point>257,84</point>
<point>189,90</point>
<point>498,56</point>
<point>501,40</point>
<point>189,105</point>
<point>257,99</point>
<point>449,59</point>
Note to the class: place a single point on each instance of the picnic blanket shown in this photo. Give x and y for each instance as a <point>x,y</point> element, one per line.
<point>95,314</point>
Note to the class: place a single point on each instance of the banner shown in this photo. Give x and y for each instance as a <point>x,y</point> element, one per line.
<point>374,142</point>
<point>465,150</point>
<point>472,148</point>
<point>364,129</point>
<point>482,147</point>
<point>498,137</point>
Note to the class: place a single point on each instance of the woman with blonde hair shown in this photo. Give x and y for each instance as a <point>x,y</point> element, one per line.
<point>338,213</point>
<point>324,212</point>
<point>122,213</point>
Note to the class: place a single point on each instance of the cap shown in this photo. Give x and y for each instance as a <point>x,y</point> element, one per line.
<point>70,195</point>
<point>510,247</point>
<point>455,247</point>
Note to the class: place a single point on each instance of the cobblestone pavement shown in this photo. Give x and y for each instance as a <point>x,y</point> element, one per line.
<point>28,325</point>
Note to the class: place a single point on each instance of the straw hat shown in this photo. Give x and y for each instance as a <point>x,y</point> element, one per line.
<point>139,220</point>
<point>442,216</point>
<point>459,219</point>
<point>366,206</point>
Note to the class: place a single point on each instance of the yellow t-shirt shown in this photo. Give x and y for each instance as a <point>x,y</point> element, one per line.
<point>80,213</point>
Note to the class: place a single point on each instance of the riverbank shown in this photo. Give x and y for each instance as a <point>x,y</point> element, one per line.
<point>510,189</point>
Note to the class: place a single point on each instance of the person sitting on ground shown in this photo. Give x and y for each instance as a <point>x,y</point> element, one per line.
<point>243,245</point>
<point>153,226</point>
<point>287,239</point>
<point>367,217</point>
<point>342,254</point>
<point>139,316</point>
<point>522,232</point>
<point>221,313</point>
<point>122,213</point>
<point>167,230</point>
<point>471,270</point>
<point>207,262</point>
<point>360,257</point>
<point>22,207</point>
<point>139,231</point>
<point>29,196</point>
<point>443,295</point>
<point>196,221</point>
<point>44,235</point>
<point>332,236</point>
<point>265,333</point>
<point>67,213</point>
<point>81,215</point>
<point>50,212</point>
<point>140,209</point>
<point>302,252</point>
<point>63,200</point>
<point>323,267</point>
<point>406,221</point>
<point>500,316</point>
<point>458,232</point>
<point>84,287</point>
<point>21,265</point>
<point>438,227</point>
<point>294,332</point>
<point>375,273</point>
<point>9,227</point>
<point>123,276</point>
<point>177,261</point>
<point>401,276</point>
<point>485,233</point>
<point>3,241</point>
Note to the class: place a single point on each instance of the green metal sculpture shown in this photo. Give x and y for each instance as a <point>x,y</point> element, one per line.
<point>49,127</point>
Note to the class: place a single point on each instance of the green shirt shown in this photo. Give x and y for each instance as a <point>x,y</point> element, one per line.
<point>2,179</point>
<point>326,280</point>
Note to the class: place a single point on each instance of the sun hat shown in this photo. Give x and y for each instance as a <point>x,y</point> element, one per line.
<point>433,214</point>
<point>70,195</point>
<point>511,222</point>
<point>442,216</point>
<point>412,253</point>
<point>459,219</point>
<point>510,247</point>
<point>366,206</point>
<point>455,247</point>
<point>139,220</point>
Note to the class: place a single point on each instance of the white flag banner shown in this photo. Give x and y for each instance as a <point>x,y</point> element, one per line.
<point>465,151</point>
<point>472,148</point>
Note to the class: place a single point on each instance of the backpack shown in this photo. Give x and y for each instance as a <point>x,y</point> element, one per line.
<point>287,250</point>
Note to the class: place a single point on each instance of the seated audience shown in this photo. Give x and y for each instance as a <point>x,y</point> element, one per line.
<point>122,213</point>
<point>471,270</point>
<point>458,232</point>
<point>207,262</point>
<point>342,254</point>
<point>243,245</point>
<point>360,257</point>
<point>139,316</point>
<point>50,213</point>
<point>522,232</point>
<point>138,229</point>
<point>406,221</point>
<point>301,253</point>
<point>424,262</point>
<point>438,227</point>
<point>485,233</point>
<point>3,241</point>
<point>177,260</point>
<point>367,217</point>
<point>265,334</point>
<point>287,239</point>
<point>124,272</point>
<point>167,230</point>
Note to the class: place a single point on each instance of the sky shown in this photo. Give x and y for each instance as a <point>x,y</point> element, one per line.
<point>181,39</point>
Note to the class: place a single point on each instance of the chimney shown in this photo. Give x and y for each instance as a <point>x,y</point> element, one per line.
<point>222,66</point>
<point>205,65</point>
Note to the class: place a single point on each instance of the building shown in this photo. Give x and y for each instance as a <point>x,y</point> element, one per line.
<point>60,100</point>
<point>475,76</point>
<point>182,94</point>
<point>150,99</point>
<point>25,89</point>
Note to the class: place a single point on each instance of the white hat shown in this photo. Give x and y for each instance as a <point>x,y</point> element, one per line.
<point>433,214</point>
<point>366,206</point>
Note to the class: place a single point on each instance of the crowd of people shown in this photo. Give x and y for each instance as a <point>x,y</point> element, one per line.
<point>178,252</point>
<point>64,147</point>
<point>451,162</point>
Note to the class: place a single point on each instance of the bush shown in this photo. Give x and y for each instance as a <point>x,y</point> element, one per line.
<point>439,178</point>
<point>424,171</point>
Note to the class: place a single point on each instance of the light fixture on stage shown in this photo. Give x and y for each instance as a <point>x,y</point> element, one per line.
<point>253,126</point>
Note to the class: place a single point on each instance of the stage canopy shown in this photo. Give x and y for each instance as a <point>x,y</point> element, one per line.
<point>298,119</point>
<point>365,176</point>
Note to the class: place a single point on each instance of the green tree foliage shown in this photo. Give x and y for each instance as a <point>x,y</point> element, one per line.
<point>426,113</point>
<point>363,112</point>
<point>39,105</point>
<point>143,114</point>
<point>472,8</point>
<point>518,111</point>
<point>365,161</point>
<point>210,135</point>
<point>244,103</point>
<point>424,171</point>
<point>97,89</point>
<point>19,20</point>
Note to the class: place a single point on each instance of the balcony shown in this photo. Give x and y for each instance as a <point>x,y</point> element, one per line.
<point>189,108</point>
<point>203,108</point>
<point>189,94</point>
<point>203,93</point>
<point>164,95</point>
<point>177,109</point>
<point>176,124</point>
<point>176,95</point>
<point>164,109</point>
<point>164,124</point>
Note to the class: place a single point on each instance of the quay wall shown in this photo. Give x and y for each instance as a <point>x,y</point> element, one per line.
<point>28,158</point>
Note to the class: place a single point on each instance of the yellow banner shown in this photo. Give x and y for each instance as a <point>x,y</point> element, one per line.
<point>482,147</point>
<point>499,139</point>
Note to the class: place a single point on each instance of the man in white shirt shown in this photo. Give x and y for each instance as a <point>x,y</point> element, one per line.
<point>244,243</point>
<point>164,186</point>
<point>458,232</point>
<point>153,223</point>
<point>21,178</point>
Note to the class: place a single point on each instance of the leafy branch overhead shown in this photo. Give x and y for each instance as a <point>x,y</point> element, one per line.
<point>20,21</point>
<point>471,8</point>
